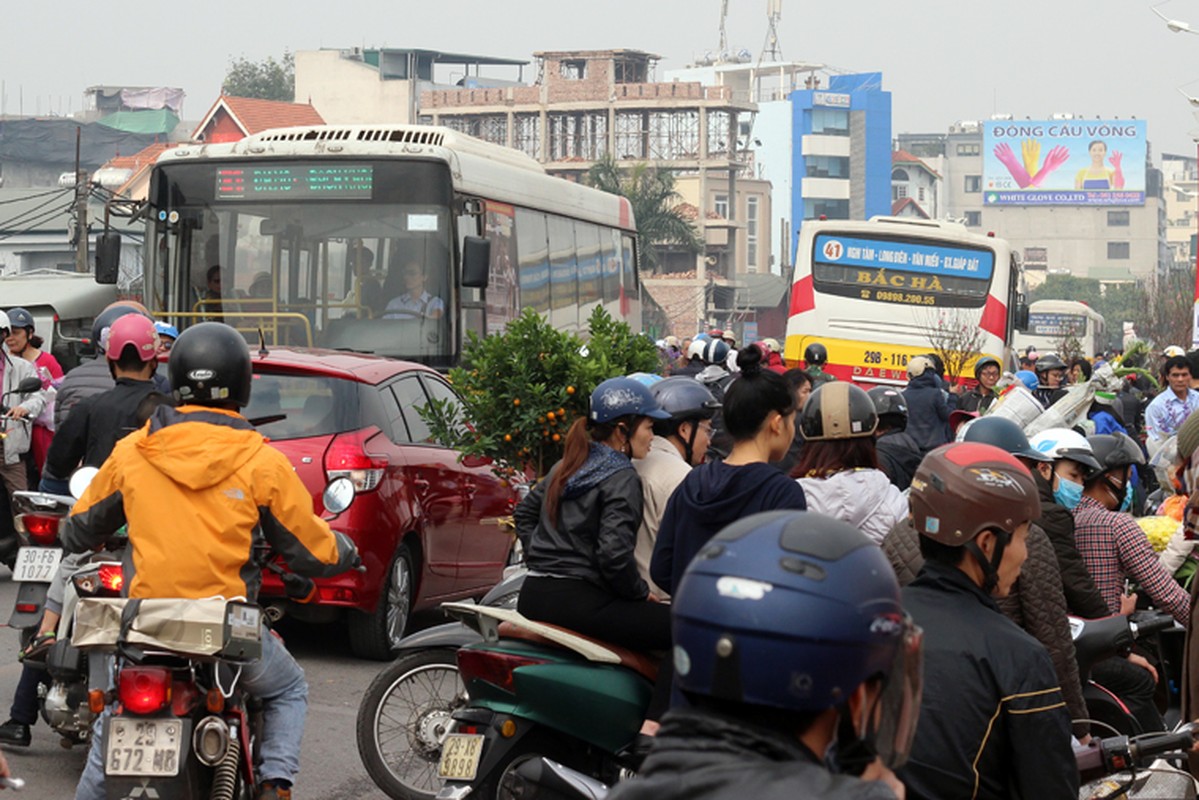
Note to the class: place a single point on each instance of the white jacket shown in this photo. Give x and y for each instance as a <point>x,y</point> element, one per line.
<point>661,471</point>
<point>17,441</point>
<point>864,498</point>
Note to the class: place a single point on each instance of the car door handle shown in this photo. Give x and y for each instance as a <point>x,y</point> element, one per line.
<point>420,484</point>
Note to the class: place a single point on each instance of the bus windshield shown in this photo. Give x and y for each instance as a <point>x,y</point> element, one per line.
<point>353,253</point>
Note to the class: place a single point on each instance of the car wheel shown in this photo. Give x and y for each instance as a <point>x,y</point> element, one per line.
<point>376,635</point>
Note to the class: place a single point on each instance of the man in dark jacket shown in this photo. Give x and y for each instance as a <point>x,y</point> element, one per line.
<point>996,726</point>
<point>987,372</point>
<point>928,409</point>
<point>898,453</point>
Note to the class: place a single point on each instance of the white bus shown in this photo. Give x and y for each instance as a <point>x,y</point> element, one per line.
<point>388,239</point>
<point>1052,322</point>
<point>872,292</point>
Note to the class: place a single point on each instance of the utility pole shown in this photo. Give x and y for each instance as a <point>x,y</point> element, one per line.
<point>81,264</point>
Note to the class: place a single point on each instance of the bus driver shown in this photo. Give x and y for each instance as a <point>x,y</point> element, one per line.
<point>415,302</point>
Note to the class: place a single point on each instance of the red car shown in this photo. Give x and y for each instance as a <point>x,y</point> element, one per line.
<point>424,522</point>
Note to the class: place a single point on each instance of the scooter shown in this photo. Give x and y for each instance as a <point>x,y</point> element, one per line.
<point>406,712</point>
<point>37,516</point>
<point>539,690</point>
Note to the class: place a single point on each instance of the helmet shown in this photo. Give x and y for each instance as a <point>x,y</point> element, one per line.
<point>918,365</point>
<point>888,400</point>
<point>1114,450</point>
<point>615,398</point>
<point>960,418</point>
<point>645,378</point>
<point>210,363</point>
<point>772,345</point>
<point>672,341</point>
<point>794,610</point>
<point>1002,433</point>
<point>815,354</point>
<point>135,330</point>
<point>1028,378</point>
<point>20,318</point>
<point>1059,443</point>
<point>696,348</point>
<point>108,316</point>
<point>936,361</point>
<point>716,333</point>
<point>837,410</point>
<point>1048,362</point>
<point>716,351</point>
<point>166,329</point>
<point>1169,352</point>
<point>684,398</point>
<point>986,361</point>
<point>962,489</point>
<point>5,325</point>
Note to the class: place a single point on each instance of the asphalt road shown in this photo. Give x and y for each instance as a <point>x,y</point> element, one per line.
<point>330,768</point>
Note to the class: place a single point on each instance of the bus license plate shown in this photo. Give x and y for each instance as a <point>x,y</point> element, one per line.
<point>36,563</point>
<point>143,747</point>
<point>460,756</point>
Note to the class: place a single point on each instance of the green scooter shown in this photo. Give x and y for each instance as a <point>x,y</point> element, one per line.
<point>537,690</point>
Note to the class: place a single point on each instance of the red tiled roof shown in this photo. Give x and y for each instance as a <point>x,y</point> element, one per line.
<point>900,205</point>
<point>904,157</point>
<point>253,115</point>
<point>139,159</point>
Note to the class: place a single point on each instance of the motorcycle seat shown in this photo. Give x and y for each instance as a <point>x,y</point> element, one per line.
<point>641,663</point>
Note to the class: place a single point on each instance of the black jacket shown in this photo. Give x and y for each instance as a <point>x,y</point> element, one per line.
<point>1082,596</point>
<point>974,400</point>
<point>95,425</point>
<point>699,756</point>
<point>1048,396</point>
<point>928,411</point>
<point>898,457</point>
<point>593,538</point>
<point>993,724</point>
<point>89,378</point>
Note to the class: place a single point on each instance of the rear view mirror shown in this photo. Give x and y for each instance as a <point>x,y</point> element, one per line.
<point>108,257</point>
<point>81,480</point>
<point>338,495</point>
<point>29,385</point>
<point>1021,314</point>
<point>476,261</point>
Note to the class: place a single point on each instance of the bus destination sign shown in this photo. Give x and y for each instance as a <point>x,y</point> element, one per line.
<point>851,251</point>
<point>295,182</point>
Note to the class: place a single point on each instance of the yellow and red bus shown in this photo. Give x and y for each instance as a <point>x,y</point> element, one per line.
<point>875,292</point>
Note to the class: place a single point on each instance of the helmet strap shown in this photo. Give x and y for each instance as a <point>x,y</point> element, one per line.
<point>689,445</point>
<point>990,567</point>
<point>853,752</point>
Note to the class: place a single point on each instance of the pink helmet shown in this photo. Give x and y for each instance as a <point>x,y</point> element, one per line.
<point>136,330</point>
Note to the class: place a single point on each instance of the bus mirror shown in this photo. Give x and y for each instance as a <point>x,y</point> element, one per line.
<point>108,257</point>
<point>1021,321</point>
<point>476,261</point>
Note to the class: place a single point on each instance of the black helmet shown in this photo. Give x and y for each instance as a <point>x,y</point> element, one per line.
<point>20,318</point>
<point>1048,362</point>
<point>838,410</point>
<point>815,355</point>
<point>210,364</point>
<point>938,362</point>
<point>986,361</point>
<point>890,405</point>
<point>684,398</point>
<point>1002,433</point>
<point>1114,450</point>
<point>108,316</point>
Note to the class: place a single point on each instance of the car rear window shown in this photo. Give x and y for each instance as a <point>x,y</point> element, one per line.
<point>287,406</point>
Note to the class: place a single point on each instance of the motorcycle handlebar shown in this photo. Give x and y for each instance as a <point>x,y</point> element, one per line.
<point>1153,622</point>
<point>1118,753</point>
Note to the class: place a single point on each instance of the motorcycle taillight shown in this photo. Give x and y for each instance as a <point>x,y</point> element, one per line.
<point>492,667</point>
<point>144,690</point>
<point>112,577</point>
<point>41,528</point>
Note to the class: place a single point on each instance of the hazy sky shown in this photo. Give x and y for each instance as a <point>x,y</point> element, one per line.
<point>943,60</point>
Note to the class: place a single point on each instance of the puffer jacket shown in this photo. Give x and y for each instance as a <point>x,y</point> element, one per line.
<point>595,535</point>
<point>865,498</point>
<point>19,434</point>
<point>1082,596</point>
<point>197,486</point>
<point>704,756</point>
<point>928,411</point>
<point>1036,603</point>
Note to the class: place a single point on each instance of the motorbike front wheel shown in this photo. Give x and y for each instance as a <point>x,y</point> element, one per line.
<point>403,719</point>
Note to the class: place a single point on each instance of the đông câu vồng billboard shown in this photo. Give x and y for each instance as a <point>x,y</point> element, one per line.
<point>1064,162</point>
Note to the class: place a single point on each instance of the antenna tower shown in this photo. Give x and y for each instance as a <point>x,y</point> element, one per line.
<point>771,50</point>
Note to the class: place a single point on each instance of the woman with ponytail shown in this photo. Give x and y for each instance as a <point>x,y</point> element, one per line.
<point>759,417</point>
<point>579,529</point>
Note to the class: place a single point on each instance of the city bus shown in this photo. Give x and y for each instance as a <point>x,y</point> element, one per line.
<point>388,239</point>
<point>876,293</point>
<point>1052,322</point>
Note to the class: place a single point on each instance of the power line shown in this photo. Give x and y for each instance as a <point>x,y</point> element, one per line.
<point>19,219</point>
<point>33,223</point>
<point>35,196</point>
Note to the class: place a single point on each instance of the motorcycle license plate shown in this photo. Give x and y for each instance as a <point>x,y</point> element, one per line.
<point>143,746</point>
<point>460,756</point>
<point>36,563</point>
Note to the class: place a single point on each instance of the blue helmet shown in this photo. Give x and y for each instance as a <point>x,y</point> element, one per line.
<point>623,397</point>
<point>645,378</point>
<point>166,329</point>
<point>793,611</point>
<point>716,351</point>
<point>20,318</point>
<point>1028,378</point>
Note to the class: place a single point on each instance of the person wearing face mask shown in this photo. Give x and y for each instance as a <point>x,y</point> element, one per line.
<point>1060,485</point>
<point>1112,544</point>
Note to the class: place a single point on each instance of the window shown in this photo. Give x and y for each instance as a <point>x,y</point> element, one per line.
<point>974,219</point>
<point>564,275</point>
<point>572,69</point>
<point>899,191</point>
<point>442,393</point>
<point>974,184</point>
<point>298,406</point>
<point>587,246</point>
<point>751,233</point>
<point>1117,250</point>
<point>532,250</point>
<point>900,175</point>
<point>827,166</point>
<point>830,121</point>
<point>410,396</point>
<point>970,149</point>
<point>920,194</point>
<point>814,208</point>
<point>721,205</point>
<point>1118,219</point>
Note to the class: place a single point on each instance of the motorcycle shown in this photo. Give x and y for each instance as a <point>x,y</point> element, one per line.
<point>540,690</point>
<point>37,516</point>
<point>9,537</point>
<point>406,712</point>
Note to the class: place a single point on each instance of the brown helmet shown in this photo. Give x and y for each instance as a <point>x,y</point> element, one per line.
<point>965,488</point>
<point>838,410</point>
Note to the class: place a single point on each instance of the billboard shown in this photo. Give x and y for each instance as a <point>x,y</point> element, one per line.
<point>1064,162</point>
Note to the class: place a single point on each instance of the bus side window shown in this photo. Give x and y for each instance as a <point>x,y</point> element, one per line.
<point>564,275</point>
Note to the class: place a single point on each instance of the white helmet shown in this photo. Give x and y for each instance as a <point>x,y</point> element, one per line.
<point>696,348</point>
<point>1059,443</point>
<point>4,323</point>
<point>1173,350</point>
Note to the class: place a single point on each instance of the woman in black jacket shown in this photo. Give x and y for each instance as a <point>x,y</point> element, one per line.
<point>928,408</point>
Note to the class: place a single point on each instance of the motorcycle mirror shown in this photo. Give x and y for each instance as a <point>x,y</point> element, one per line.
<point>29,386</point>
<point>338,495</point>
<point>81,480</point>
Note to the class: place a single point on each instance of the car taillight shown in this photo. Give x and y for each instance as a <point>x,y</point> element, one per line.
<point>112,577</point>
<point>144,690</point>
<point>347,456</point>
<point>41,528</point>
<point>492,667</point>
